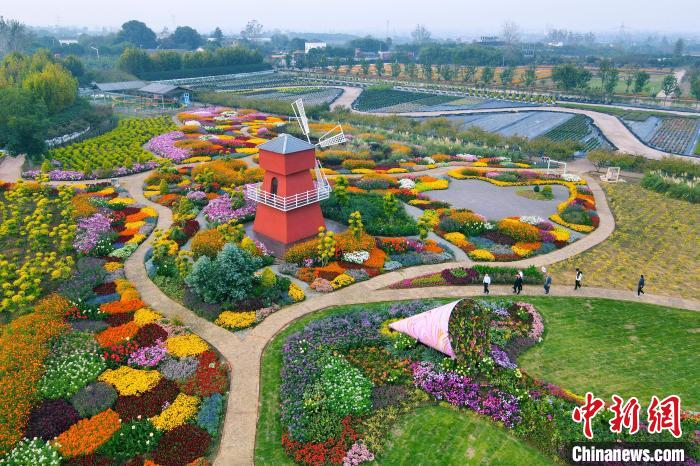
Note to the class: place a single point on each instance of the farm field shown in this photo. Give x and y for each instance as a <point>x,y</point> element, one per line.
<point>654,235</point>
<point>311,96</point>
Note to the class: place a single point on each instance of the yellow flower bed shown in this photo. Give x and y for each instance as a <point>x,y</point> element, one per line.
<point>150,211</point>
<point>113,266</point>
<point>296,293</point>
<point>247,150</point>
<point>186,345</point>
<point>256,141</point>
<point>185,182</point>
<point>480,164</point>
<point>136,239</point>
<point>525,249</point>
<point>235,320</point>
<point>134,225</point>
<point>123,285</point>
<point>481,255</point>
<point>129,381</point>
<point>121,200</point>
<point>397,170</point>
<point>580,228</point>
<point>179,412</point>
<point>146,316</point>
<point>561,234</point>
<point>328,171</point>
<point>104,192</point>
<point>129,295</point>
<point>341,281</point>
<point>423,186</point>
<point>151,193</point>
<point>200,158</point>
<point>457,238</point>
<point>362,171</point>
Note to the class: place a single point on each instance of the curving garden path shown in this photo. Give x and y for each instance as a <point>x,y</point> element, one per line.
<point>11,167</point>
<point>243,350</point>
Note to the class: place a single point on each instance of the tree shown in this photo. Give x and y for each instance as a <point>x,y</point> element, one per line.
<point>629,79</point>
<point>252,30</point>
<point>395,70</point>
<point>14,36</point>
<point>217,35</point>
<point>379,66</point>
<point>530,75</point>
<point>135,61</point>
<point>507,75</point>
<point>678,47</point>
<point>166,60</point>
<point>427,70</point>
<point>641,78</point>
<point>185,37</point>
<point>365,68</point>
<point>510,33</point>
<point>411,69</point>
<point>23,123</point>
<point>487,73</point>
<point>609,76</point>
<point>226,279</point>
<point>446,72</point>
<point>75,66</point>
<point>54,85</point>
<point>469,73</point>
<point>669,85</point>
<point>695,86</point>
<point>138,34</point>
<point>420,34</point>
<point>570,76</point>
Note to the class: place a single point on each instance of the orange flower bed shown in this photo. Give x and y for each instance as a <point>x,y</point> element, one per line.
<point>87,435</point>
<point>82,205</point>
<point>431,246</point>
<point>376,260</point>
<point>136,217</point>
<point>113,335</point>
<point>25,345</point>
<point>329,272</point>
<point>168,199</point>
<point>129,232</point>
<point>115,307</point>
<point>355,189</point>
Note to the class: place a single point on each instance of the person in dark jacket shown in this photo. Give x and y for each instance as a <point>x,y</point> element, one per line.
<point>518,285</point>
<point>640,286</point>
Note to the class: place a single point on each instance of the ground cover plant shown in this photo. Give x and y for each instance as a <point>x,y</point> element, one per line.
<point>648,228</point>
<point>403,372</point>
<point>93,375</point>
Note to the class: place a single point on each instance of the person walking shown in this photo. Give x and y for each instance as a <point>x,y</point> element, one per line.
<point>518,285</point>
<point>487,282</point>
<point>547,283</point>
<point>640,286</point>
<point>579,277</point>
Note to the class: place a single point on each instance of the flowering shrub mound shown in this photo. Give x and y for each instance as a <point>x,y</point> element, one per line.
<point>181,445</point>
<point>51,418</point>
<point>148,404</point>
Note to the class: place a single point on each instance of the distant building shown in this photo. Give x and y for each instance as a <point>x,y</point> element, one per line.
<point>308,46</point>
<point>555,44</point>
<point>67,41</point>
<point>493,41</point>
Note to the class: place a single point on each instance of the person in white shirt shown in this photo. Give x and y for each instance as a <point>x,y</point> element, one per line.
<point>487,282</point>
<point>579,277</point>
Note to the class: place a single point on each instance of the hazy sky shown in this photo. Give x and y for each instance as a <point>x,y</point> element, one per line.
<point>452,17</point>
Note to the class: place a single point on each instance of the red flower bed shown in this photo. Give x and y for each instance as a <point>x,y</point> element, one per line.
<point>124,239</point>
<point>190,227</point>
<point>115,320</point>
<point>117,355</point>
<point>105,288</point>
<point>149,333</point>
<point>210,377</point>
<point>130,210</point>
<point>88,460</point>
<point>181,445</point>
<point>332,451</point>
<point>148,404</point>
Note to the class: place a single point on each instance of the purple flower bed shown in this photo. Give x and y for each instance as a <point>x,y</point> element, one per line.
<point>460,390</point>
<point>148,356</point>
<point>163,145</point>
<point>501,358</point>
<point>72,175</point>
<point>90,230</point>
<point>219,210</point>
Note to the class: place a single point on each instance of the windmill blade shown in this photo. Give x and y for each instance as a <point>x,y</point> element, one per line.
<point>333,137</point>
<point>300,114</point>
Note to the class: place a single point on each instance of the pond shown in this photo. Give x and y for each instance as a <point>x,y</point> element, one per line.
<point>495,202</point>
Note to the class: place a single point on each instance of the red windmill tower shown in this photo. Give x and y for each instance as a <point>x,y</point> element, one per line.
<point>289,198</point>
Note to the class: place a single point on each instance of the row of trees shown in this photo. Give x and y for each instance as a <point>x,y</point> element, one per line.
<point>137,61</point>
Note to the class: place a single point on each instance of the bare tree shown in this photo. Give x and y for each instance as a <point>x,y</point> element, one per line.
<point>420,34</point>
<point>510,33</point>
<point>14,36</point>
<point>252,30</point>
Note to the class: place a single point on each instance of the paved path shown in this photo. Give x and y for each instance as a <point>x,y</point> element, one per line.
<point>679,74</point>
<point>609,125</point>
<point>349,95</point>
<point>11,168</point>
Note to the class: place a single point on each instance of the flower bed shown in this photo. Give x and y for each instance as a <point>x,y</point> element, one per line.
<point>379,374</point>
<point>93,375</point>
<point>470,276</point>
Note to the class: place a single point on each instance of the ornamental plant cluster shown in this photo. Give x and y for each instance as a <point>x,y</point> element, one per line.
<point>356,258</point>
<point>92,375</point>
<point>379,374</point>
<point>37,229</point>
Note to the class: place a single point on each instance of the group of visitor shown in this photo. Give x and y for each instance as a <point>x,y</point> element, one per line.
<point>518,284</point>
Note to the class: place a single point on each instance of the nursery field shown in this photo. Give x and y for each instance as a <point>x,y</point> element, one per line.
<point>311,96</point>
<point>654,235</point>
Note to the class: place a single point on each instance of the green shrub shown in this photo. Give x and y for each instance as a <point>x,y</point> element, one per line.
<point>133,438</point>
<point>371,207</point>
<point>66,375</point>
<point>226,279</point>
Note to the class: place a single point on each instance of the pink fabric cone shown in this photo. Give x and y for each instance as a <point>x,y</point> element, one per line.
<point>429,327</point>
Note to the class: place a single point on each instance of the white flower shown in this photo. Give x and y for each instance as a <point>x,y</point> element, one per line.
<point>571,177</point>
<point>356,257</point>
<point>407,183</point>
<point>428,160</point>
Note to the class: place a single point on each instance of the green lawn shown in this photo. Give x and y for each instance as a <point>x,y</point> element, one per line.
<point>627,348</point>
<point>600,345</point>
<point>454,437</point>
